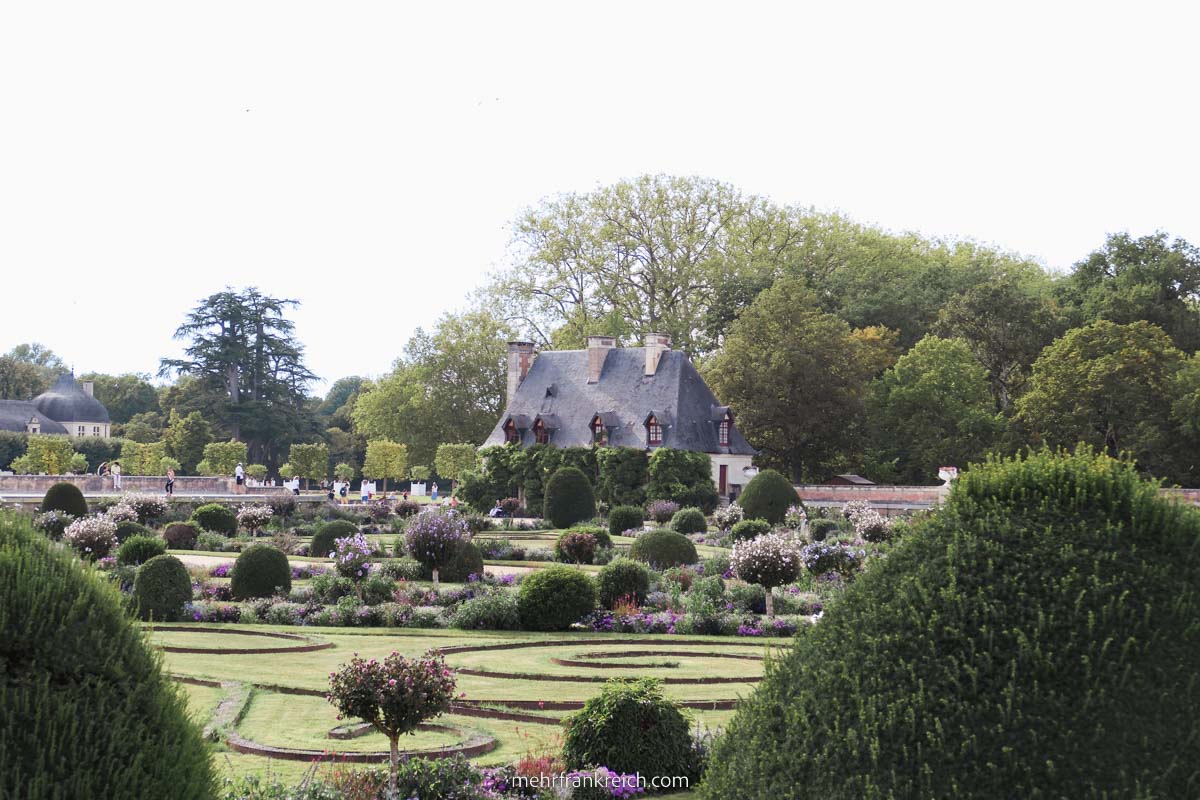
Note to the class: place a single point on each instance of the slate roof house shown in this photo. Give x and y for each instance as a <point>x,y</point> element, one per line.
<point>68,407</point>
<point>646,397</point>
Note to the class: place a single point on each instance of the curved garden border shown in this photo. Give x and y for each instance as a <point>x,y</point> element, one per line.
<point>238,651</point>
<point>567,662</point>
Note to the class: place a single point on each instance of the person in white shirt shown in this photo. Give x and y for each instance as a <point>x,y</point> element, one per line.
<point>115,470</point>
<point>239,475</point>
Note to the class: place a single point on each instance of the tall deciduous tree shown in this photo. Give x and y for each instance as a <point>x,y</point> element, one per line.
<point>309,461</point>
<point>797,378</point>
<point>455,460</point>
<point>1109,386</point>
<point>28,370</point>
<point>932,408</point>
<point>385,460</point>
<point>186,438</point>
<point>242,348</point>
<point>123,395</point>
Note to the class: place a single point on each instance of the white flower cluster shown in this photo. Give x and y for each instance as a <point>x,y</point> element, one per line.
<point>147,506</point>
<point>254,517</point>
<point>868,523</point>
<point>725,517</point>
<point>854,508</point>
<point>92,536</point>
<point>795,518</point>
<point>772,559</point>
<point>121,512</point>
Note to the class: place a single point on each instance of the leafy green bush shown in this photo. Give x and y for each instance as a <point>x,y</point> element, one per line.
<point>625,518</point>
<point>689,520</point>
<point>466,561</point>
<point>181,536</point>
<point>327,534</point>
<point>623,578</point>
<point>161,588</point>
<point>1037,636</point>
<point>682,476</point>
<point>216,518</point>
<point>767,496</point>
<point>820,528</point>
<point>569,498</point>
<point>495,611</point>
<point>749,529</point>
<point>574,547</point>
<point>260,571</point>
<point>128,528</point>
<point>212,542</point>
<point>140,549</point>
<point>663,548</point>
<point>630,727</point>
<point>402,569</point>
<point>553,598</point>
<point>599,534</point>
<point>67,498</point>
<point>622,475</point>
<point>84,697</point>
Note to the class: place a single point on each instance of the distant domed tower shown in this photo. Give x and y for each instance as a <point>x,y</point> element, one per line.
<point>73,406</point>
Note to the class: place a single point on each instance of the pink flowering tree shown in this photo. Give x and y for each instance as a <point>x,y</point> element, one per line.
<point>394,695</point>
<point>769,560</point>
<point>434,538</point>
<point>352,559</point>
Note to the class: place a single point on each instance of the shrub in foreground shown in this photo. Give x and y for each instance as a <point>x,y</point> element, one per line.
<point>623,579</point>
<point>624,518</point>
<point>328,533</point>
<point>569,498</point>
<point>768,496</point>
<point>494,611</point>
<point>664,548</point>
<point>689,520</point>
<point>1062,586</point>
<point>84,697</point>
<point>216,518</point>
<point>161,588</point>
<point>575,547</point>
<point>748,529</point>
<point>553,598</point>
<point>181,536</point>
<point>260,571</point>
<point>139,549</point>
<point>65,497</point>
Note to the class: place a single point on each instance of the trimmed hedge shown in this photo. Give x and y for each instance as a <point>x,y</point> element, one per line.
<point>625,518</point>
<point>553,598</point>
<point>768,496</point>
<point>622,578</point>
<point>630,727</point>
<point>127,529</point>
<point>749,529</point>
<point>67,498</point>
<point>603,540</point>
<point>161,588</point>
<point>181,536</point>
<point>689,520</point>
<point>260,571</point>
<point>85,708</point>
<point>663,549</point>
<point>328,533</point>
<point>569,498</point>
<point>1037,637</point>
<point>468,561</point>
<point>216,518</point>
<point>575,547</point>
<point>139,549</point>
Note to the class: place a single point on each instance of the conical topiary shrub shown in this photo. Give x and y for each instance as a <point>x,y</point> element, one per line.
<point>569,498</point>
<point>768,496</point>
<point>67,498</point>
<point>85,710</point>
<point>1035,638</point>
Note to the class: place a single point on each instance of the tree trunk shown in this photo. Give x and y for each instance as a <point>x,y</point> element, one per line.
<point>393,764</point>
<point>770,602</point>
<point>385,487</point>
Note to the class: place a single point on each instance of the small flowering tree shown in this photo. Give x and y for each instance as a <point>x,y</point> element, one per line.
<point>53,523</point>
<point>121,512</point>
<point>855,507</point>
<point>821,558</point>
<point>795,518</point>
<point>434,538</point>
<point>254,517</point>
<point>725,517</point>
<point>769,560</point>
<point>394,695</point>
<point>92,537</point>
<point>352,559</point>
<point>872,526</point>
<point>148,507</point>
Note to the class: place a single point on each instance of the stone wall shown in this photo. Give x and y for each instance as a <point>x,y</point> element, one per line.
<point>95,484</point>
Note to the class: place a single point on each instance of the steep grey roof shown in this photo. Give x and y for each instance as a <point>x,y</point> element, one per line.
<point>68,402</point>
<point>15,414</point>
<point>623,397</point>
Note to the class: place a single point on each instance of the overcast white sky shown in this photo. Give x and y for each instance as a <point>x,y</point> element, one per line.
<point>365,158</point>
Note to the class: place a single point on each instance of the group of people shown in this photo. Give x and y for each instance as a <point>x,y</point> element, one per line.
<point>111,469</point>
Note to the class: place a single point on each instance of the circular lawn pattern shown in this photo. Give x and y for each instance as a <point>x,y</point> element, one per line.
<point>308,645</point>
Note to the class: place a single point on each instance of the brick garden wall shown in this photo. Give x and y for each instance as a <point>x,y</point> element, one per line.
<point>95,484</point>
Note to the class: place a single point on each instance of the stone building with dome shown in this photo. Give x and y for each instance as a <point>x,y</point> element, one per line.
<point>67,408</point>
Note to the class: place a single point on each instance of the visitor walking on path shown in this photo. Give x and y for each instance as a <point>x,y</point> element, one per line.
<point>239,475</point>
<point>433,489</point>
<point>365,491</point>
<point>115,469</point>
<point>170,480</point>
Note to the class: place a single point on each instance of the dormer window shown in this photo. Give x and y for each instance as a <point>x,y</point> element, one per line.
<point>599,432</point>
<point>511,434</point>
<point>723,429</point>
<point>33,426</point>
<point>540,434</point>
<point>654,432</point>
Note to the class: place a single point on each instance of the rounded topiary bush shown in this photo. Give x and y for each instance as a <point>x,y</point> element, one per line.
<point>630,727</point>
<point>689,520</point>
<point>327,534</point>
<point>181,536</point>
<point>599,534</point>
<point>260,571</point>
<point>569,498</point>
<point>553,598</point>
<point>1037,636</point>
<point>767,496</point>
<point>575,547</point>
<point>467,561</point>
<point>161,588</point>
<point>663,548</point>
<point>139,549</point>
<point>216,518</point>
<point>622,579</point>
<point>127,529</point>
<point>820,528</point>
<point>625,518</point>
<point>84,706</point>
<point>749,529</point>
<point>67,498</point>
